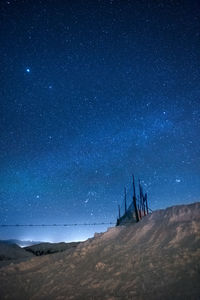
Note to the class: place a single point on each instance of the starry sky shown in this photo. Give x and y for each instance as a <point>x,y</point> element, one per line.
<point>91,92</point>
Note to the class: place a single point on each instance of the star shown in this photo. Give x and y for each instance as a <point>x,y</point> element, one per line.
<point>28,70</point>
<point>178,180</point>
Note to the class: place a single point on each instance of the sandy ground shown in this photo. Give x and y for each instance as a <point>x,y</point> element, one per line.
<point>158,258</point>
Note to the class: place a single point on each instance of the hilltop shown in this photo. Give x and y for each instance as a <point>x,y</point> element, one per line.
<point>157,258</point>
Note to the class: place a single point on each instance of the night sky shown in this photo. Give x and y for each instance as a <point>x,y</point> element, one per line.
<point>91,92</point>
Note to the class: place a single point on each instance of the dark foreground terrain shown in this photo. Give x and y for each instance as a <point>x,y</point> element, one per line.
<point>158,258</point>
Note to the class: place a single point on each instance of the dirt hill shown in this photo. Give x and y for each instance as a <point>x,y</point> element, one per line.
<point>157,258</point>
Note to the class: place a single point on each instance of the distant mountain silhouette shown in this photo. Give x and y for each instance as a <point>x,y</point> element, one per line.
<point>12,253</point>
<point>157,258</point>
<point>19,242</point>
<point>50,248</point>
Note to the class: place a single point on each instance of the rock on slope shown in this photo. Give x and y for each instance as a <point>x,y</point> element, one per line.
<point>158,258</point>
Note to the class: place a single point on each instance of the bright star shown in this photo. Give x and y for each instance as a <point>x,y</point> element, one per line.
<point>28,70</point>
<point>178,180</point>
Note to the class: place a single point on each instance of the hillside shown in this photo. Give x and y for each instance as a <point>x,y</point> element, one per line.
<point>12,253</point>
<point>157,258</point>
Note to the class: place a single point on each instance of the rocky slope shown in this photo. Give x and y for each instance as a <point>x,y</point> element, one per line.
<point>157,258</point>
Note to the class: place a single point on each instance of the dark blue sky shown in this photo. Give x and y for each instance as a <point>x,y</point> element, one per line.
<point>92,91</point>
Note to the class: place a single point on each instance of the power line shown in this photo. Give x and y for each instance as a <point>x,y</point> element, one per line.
<point>64,225</point>
<point>57,225</point>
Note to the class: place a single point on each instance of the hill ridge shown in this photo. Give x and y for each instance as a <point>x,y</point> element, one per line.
<point>157,258</point>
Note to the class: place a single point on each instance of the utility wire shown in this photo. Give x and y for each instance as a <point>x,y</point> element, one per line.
<point>63,225</point>
<point>56,225</point>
